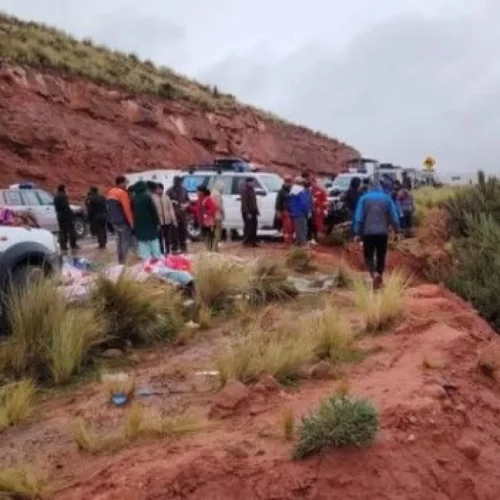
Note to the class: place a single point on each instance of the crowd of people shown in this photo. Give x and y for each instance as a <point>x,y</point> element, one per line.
<point>152,222</point>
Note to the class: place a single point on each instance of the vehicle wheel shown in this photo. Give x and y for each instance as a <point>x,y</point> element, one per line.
<point>25,274</point>
<point>80,227</point>
<point>193,230</point>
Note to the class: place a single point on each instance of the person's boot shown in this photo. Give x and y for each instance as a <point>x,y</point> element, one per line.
<point>377,281</point>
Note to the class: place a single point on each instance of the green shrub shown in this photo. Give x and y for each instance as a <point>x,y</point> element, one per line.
<point>476,274</point>
<point>340,421</point>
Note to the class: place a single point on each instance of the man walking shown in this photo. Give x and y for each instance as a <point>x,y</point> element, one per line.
<point>120,215</point>
<point>249,212</point>
<point>180,201</point>
<point>65,219</point>
<point>375,213</point>
<point>97,212</point>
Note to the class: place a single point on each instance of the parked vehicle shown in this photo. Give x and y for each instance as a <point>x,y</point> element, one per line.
<point>24,253</point>
<point>341,184</point>
<point>40,204</point>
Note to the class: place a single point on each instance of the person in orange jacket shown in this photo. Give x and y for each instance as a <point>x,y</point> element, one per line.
<point>320,206</point>
<point>121,217</point>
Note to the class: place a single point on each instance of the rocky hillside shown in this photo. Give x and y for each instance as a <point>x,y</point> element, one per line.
<point>79,113</point>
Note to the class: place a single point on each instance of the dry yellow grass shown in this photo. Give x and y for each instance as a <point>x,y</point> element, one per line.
<point>383,307</point>
<point>16,402</point>
<point>115,383</point>
<point>218,279</point>
<point>41,46</point>
<point>139,422</point>
<point>49,336</point>
<point>23,482</point>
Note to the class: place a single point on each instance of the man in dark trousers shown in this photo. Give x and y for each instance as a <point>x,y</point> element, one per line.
<point>249,212</point>
<point>97,212</point>
<point>180,201</point>
<point>375,213</point>
<point>65,219</point>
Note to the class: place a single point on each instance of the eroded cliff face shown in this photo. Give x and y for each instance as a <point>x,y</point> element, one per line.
<point>60,129</point>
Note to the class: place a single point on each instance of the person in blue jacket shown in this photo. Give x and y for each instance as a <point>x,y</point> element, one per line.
<point>375,213</point>
<point>300,209</point>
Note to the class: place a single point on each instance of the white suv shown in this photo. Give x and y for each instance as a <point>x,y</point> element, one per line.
<point>23,253</point>
<point>267,186</point>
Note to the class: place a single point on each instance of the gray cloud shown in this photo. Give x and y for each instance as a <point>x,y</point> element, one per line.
<point>398,79</point>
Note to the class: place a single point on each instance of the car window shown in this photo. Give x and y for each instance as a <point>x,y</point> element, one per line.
<point>227,182</point>
<point>13,198</point>
<point>45,198</point>
<point>192,182</point>
<point>30,198</point>
<point>273,183</point>
<point>239,182</point>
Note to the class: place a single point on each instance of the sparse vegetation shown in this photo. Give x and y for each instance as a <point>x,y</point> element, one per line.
<point>139,422</point>
<point>383,307</point>
<point>331,334</point>
<point>340,421</point>
<point>300,261</point>
<point>16,402</point>
<point>141,313</point>
<point>118,383</point>
<point>24,483</point>
<point>345,276</point>
<point>38,45</point>
<point>50,339</point>
<point>268,283</point>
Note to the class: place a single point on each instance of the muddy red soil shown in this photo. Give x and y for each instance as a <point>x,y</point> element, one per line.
<point>439,436</point>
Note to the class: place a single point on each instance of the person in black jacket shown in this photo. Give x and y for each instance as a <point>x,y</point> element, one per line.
<point>352,195</point>
<point>180,201</point>
<point>97,212</point>
<point>65,219</point>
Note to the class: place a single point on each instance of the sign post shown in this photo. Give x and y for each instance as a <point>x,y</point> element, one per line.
<point>429,163</point>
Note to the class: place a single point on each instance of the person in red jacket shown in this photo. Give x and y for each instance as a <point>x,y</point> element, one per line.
<point>320,206</point>
<point>209,211</point>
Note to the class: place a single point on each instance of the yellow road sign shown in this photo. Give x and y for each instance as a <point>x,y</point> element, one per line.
<point>429,162</point>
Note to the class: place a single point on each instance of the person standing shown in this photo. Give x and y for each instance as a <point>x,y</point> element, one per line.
<point>249,212</point>
<point>320,207</point>
<point>220,213</point>
<point>180,200</point>
<point>375,213</point>
<point>352,195</point>
<point>97,212</point>
<point>146,223</point>
<point>311,228</point>
<point>284,221</point>
<point>121,217</point>
<point>166,215</point>
<point>406,207</point>
<point>65,219</point>
<point>209,212</point>
<point>300,207</point>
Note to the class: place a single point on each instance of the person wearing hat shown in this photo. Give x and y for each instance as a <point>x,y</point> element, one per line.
<point>300,208</point>
<point>283,221</point>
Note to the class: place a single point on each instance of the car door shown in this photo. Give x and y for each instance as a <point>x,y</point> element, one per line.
<point>47,210</point>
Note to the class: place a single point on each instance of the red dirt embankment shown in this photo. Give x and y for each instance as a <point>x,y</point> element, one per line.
<point>62,129</point>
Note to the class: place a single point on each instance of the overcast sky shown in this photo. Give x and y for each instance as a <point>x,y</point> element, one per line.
<point>397,79</point>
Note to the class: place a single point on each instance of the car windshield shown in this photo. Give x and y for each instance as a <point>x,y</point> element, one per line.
<point>342,182</point>
<point>273,183</point>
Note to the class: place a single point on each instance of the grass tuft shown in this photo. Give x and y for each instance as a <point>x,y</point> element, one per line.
<point>269,283</point>
<point>218,280</point>
<point>16,402</point>
<point>24,483</point>
<point>383,307</point>
<point>340,421</point>
<point>141,313</point>
<point>51,339</point>
<point>139,422</point>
